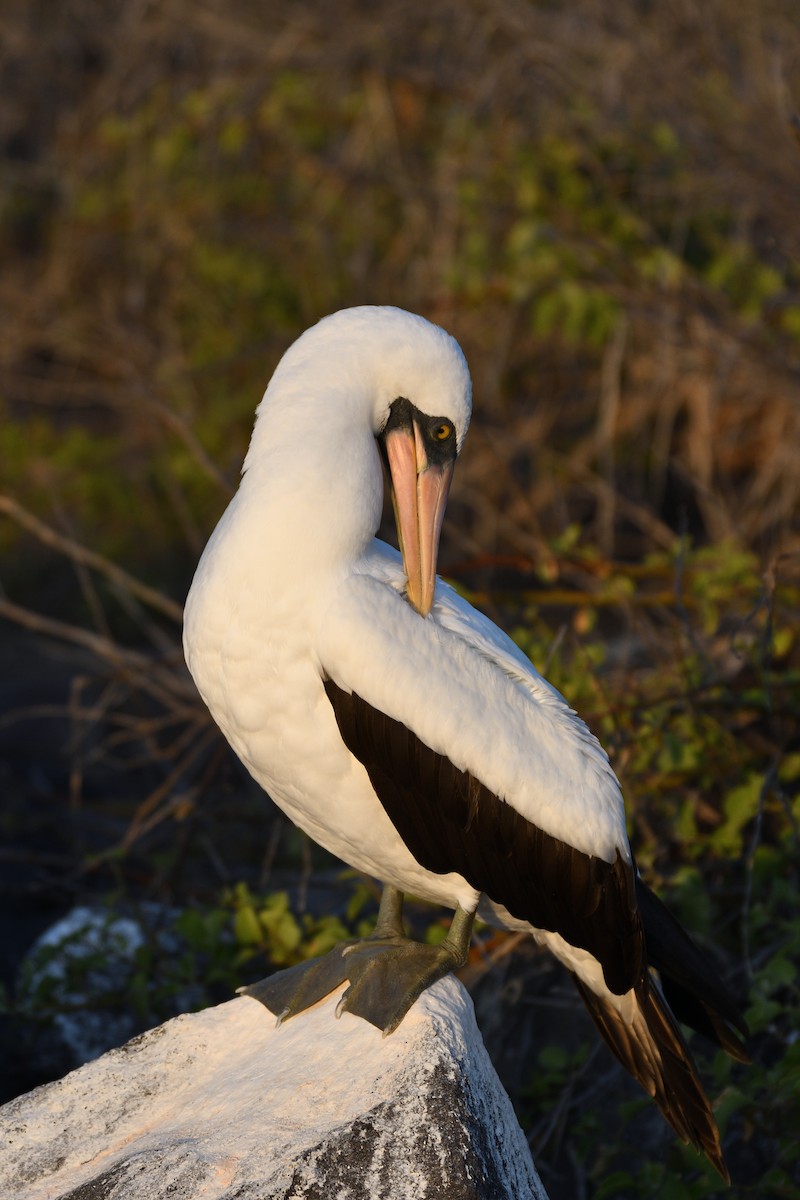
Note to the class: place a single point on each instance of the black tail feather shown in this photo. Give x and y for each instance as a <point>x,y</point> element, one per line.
<point>643,1031</point>
<point>692,988</point>
<point>653,1050</point>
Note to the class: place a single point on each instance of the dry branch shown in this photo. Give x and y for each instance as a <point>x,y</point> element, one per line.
<point>90,558</point>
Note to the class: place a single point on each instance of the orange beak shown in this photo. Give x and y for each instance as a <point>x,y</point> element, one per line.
<point>419,496</point>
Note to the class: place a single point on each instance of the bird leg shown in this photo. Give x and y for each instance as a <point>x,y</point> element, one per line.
<point>390,916</point>
<point>387,971</point>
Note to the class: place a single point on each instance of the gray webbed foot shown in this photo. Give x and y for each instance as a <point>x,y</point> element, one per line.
<point>387,971</point>
<point>387,976</point>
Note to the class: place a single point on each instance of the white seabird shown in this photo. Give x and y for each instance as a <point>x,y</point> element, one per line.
<point>406,733</point>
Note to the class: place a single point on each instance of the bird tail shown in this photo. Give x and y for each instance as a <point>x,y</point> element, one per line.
<point>645,1037</point>
<point>691,987</point>
<point>642,1027</point>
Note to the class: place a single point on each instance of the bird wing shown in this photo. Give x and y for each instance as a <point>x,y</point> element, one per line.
<point>482,767</point>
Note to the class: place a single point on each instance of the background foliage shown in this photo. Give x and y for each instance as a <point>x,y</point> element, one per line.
<point>600,202</point>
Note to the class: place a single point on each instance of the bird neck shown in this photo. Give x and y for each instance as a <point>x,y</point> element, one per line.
<point>312,490</point>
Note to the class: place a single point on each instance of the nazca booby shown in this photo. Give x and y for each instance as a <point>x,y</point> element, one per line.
<point>404,732</point>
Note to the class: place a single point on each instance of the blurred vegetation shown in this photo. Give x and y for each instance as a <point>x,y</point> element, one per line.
<point>601,204</point>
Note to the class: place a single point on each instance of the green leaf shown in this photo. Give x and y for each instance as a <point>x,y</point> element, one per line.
<point>246,926</point>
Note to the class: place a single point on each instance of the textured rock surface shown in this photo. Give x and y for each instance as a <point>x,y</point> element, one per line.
<point>222,1105</point>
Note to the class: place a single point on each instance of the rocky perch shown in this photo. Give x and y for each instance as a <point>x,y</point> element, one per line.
<point>222,1105</point>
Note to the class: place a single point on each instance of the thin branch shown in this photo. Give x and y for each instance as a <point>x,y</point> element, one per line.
<point>610,393</point>
<point>105,649</point>
<point>89,558</point>
<point>766,786</point>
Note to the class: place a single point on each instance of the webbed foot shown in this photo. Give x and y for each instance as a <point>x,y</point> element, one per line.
<point>387,976</point>
<point>387,971</point>
<point>292,991</point>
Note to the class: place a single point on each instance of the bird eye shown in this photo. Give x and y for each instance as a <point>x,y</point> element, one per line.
<point>442,431</point>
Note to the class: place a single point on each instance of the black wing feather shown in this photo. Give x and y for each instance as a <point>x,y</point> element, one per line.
<point>451,822</point>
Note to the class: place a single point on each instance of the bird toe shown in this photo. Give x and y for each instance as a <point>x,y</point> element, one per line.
<point>289,992</point>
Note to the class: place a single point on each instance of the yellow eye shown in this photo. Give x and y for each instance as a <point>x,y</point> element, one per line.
<point>442,432</point>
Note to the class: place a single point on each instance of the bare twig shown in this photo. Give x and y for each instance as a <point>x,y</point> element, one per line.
<point>767,785</point>
<point>90,558</point>
<point>102,647</point>
<point>610,390</point>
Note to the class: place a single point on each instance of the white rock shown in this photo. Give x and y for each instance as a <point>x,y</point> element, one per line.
<point>76,974</point>
<point>222,1105</point>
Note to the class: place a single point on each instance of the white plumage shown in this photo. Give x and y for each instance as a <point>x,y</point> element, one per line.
<point>470,694</point>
